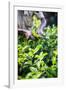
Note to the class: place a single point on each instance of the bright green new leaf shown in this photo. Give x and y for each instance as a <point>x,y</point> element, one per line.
<point>33,69</point>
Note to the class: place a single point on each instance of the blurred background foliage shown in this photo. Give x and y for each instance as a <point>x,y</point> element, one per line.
<point>38,58</point>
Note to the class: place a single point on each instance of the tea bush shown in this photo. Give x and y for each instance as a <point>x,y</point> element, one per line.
<point>38,58</point>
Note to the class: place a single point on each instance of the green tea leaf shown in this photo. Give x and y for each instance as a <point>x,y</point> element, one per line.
<point>33,69</point>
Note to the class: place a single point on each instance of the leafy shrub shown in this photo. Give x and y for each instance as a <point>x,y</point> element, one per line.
<point>38,58</point>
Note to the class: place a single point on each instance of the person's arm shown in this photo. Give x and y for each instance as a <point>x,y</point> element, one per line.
<point>43,23</point>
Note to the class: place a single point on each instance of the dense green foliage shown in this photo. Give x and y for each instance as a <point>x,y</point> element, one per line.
<point>38,58</point>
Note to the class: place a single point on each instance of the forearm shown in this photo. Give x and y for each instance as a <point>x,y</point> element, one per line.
<point>43,24</point>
